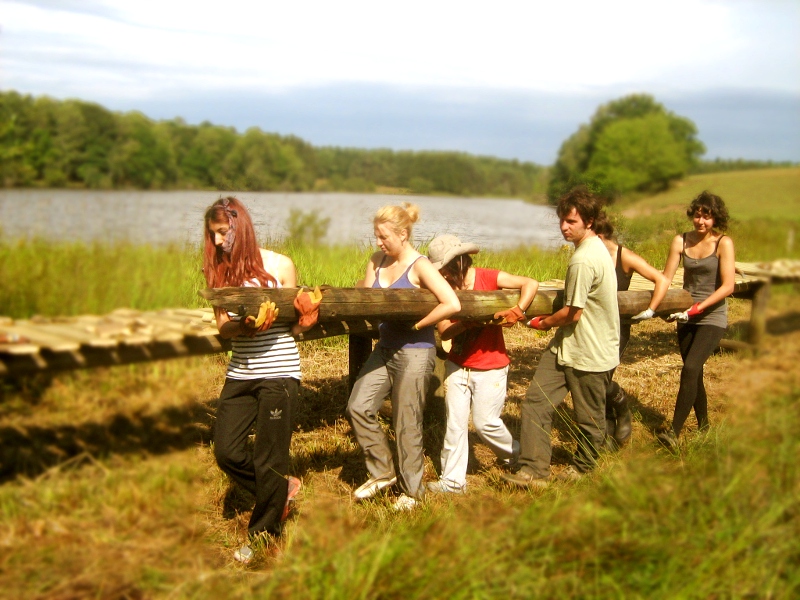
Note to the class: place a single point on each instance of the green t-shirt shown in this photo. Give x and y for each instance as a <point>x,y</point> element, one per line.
<point>591,344</point>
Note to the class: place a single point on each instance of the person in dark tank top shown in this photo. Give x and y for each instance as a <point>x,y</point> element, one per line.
<point>708,275</point>
<point>626,263</point>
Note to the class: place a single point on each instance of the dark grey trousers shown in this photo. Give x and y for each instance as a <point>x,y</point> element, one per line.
<point>549,387</point>
<point>405,375</point>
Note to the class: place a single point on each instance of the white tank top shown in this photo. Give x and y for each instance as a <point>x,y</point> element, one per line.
<point>271,354</point>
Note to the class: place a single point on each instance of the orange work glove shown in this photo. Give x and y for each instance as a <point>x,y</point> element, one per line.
<point>267,313</point>
<point>506,318</point>
<point>307,304</point>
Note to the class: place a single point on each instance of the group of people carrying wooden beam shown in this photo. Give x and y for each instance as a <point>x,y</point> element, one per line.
<point>262,380</point>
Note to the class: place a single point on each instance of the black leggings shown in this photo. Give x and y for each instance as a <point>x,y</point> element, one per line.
<point>268,406</point>
<point>697,343</point>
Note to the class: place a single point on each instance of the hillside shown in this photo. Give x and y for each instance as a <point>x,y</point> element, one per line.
<point>754,194</point>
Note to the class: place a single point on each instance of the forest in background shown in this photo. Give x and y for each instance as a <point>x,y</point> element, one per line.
<point>631,145</point>
<point>76,144</point>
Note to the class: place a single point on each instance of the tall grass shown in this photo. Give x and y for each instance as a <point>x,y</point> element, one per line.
<point>69,278</point>
<point>721,522</point>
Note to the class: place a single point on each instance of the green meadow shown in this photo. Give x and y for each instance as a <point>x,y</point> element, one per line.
<point>108,487</point>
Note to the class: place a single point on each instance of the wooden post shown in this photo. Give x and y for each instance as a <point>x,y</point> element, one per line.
<point>359,349</point>
<point>758,314</point>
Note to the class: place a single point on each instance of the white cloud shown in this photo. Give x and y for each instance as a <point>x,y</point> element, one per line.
<point>148,47</point>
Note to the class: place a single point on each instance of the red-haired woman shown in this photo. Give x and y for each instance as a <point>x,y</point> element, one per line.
<point>263,377</point>
<point>709,271</point>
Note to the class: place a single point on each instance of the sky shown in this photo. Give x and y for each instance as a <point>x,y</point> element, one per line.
<point>510,78</point>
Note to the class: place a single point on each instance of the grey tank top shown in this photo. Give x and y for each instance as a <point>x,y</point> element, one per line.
<point>700,278</point>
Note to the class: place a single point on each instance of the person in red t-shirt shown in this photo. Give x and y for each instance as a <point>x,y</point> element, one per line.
<point>476,369</point>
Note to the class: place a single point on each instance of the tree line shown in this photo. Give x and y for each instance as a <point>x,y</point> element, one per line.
<point>72,143</point>
<point>630,145</point>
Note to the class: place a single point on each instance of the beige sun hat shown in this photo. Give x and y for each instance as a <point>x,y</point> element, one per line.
<point>445,248</point>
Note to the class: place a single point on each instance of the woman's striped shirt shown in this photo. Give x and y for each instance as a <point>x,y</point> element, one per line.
<point>270,354</point>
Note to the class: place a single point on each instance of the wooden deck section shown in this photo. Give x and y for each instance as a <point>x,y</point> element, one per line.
<point>127,336</point>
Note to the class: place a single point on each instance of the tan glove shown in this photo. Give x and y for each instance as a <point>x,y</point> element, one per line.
<point>267,313</point>
<point>307,304</point>
<point>506,318</point>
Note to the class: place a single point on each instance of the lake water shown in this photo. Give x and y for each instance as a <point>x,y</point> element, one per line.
<point>159,217</point>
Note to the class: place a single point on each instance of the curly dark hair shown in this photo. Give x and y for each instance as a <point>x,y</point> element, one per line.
<point>603,226</point>
<point>712,205</point>
<point>584,201</point>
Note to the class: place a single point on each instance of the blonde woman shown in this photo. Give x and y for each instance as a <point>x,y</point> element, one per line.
<point>401,364</point>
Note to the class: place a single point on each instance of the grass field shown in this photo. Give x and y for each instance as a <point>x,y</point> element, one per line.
<point>110,491</point>
<point>756,194</point>
<point>108,487</point>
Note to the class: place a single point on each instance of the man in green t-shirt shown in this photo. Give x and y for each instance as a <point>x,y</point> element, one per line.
<point>582,355</point>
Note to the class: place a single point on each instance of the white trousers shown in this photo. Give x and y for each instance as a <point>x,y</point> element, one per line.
<point>485,391</point>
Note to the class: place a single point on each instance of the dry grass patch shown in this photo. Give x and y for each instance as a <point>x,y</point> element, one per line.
<point>110,488</point>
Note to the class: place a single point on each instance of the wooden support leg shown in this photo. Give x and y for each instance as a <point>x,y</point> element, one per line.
<point>359,349</point>
<point>758,315</point>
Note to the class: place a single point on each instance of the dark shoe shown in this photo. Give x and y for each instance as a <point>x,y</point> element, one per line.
<point>622,412</point>
<point>610,444</point>
<point>526,479</point>
<point>510,465</point>
<point>668,439</point>
<point>570,474</point>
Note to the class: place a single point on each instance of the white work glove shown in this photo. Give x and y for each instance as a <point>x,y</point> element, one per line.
<point>643,316</point>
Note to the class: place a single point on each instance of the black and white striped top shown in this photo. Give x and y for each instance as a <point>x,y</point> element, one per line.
<point>271,354</point>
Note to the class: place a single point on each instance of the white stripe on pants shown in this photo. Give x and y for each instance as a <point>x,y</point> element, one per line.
<point>486,392</point>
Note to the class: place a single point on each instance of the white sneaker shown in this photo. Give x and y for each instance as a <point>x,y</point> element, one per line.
<point>441,487</point>
<point>372,486</point>
<point>244,554</point>
<point>405,503</point>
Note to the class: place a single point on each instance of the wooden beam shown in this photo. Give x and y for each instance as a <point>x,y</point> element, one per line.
<point>342,304</point>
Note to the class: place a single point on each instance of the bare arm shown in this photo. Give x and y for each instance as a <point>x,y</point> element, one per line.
<point>564,316</point>
<point>227,329</point>
<point>370,274</point>
<point>527,287</point>
<point>673,258</point>
<point>633,262</point>
<point>431,279</point>
<point>449,329</point>
<point>287,274</point>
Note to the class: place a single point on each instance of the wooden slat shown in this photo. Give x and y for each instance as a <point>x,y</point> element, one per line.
<point>19,348</point>
<point>73,331</point>
<point>41,338</point>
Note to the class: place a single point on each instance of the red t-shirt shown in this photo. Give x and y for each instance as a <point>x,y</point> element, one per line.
<point>481,347</point>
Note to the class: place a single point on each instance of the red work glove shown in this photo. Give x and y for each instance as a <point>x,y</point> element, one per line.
<point>307,304</point>
<point>508,317</point>
<point>683,317</point>
<point>536,323</point>
<point>695,310</point>
<point>267,313</point>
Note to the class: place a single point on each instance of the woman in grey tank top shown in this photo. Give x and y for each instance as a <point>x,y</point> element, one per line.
<point>708,275</point>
